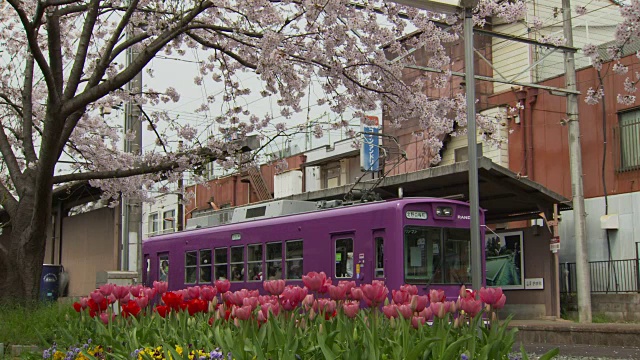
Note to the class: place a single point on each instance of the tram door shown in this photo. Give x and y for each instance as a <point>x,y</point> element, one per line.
<point>352,258</point>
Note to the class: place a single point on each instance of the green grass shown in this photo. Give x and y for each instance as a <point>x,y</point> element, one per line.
<point>32,325</point>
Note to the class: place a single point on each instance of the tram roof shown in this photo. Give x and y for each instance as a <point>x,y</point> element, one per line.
<point>504,195</point>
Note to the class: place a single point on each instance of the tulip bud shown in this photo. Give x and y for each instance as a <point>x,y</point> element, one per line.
<point>457,322</point>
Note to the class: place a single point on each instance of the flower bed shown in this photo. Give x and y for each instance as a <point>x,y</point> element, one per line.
<point>317,321</point>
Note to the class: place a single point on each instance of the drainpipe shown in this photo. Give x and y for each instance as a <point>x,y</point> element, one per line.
<point>521,96</point>
<point>532,95</point>
<point>235,189</point>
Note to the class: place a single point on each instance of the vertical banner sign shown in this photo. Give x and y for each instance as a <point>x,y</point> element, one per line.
<point>370,147</point>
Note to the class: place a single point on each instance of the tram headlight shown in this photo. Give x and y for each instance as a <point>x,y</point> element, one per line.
<point>444,211</point>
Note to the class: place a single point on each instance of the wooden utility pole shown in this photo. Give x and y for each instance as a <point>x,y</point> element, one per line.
<point>583,278</point>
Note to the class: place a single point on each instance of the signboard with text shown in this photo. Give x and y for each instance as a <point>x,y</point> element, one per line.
<point>370,148</point>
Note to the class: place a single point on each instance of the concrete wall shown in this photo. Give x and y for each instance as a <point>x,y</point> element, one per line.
<point>90,243</point>
<point>538,263</point>
<point>617,307</point>
<point>623,241</point>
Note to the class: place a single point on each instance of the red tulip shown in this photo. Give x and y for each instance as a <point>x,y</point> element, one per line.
<point>314,281</point>
<point>223,286</point>
<point>196,305</point>
<point>163,310</point>
<point>130,308</point>
<point>172,300</point>
<point>351,308</point>
<point>274,287</point>
<point>77,307</point>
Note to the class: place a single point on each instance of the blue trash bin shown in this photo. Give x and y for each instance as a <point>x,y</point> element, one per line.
<point>50,282</point>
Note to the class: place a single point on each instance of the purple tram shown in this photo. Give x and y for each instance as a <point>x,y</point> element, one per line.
<point>420,241</point>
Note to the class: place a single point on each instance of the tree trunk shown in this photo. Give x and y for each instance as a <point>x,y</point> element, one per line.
<point>25,255</point>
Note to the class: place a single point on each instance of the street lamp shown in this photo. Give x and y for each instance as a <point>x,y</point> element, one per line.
<point>450,6</point>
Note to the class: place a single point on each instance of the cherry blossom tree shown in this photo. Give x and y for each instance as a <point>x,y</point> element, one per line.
<point>63,61</point>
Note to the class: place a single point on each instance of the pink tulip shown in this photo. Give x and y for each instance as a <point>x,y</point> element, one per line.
<point>265,309</point>
<point>194,292</point>
<point>274,287</point>
<point>207,292</point>
<point>292,296</point>
<point>149,292</point>
<point>436,295</point>
<point>250,301</point>
<point>390,311</point>
<point>308,301</point>
<point>136,290</point>
<point>440,309</point>
<point>105,318</point>
<point>97,296</point>
<point>327,306</point>
<point>419,302</point>
<point>493,297</point>
<point>348,284</point>
<point>426,313</point>
<point>112,298</point>
<point>375,293</point>
<point>338,292</point>
<point>314,281</point>
<point>417,321</point>
<point>325,287</point>
<point>262,318</point>
<point>356,294</point>
<point>121,292</point>
<point>236,297</point>
<point>161,287</point>
<point>405,311</point>
<point>142,301</point>
<point>411,289</point>
<point>84,302</point>
<point>400,296</point>
<point>351,309</point>
<point>242,312</point>
<point>223,286</point>
<point>106,289</point>
<point>470,306</point>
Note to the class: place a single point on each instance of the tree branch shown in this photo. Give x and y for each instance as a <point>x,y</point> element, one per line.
<point>232,55</point>
<point>11,161</point>
<point>27,112</point>
<point>83,47</point>
<point>55,58</point>
<point>34,48</point>
<point>116,174</point>
<point>7,200</point>
<point>108,50</point>
<point>11,104</point>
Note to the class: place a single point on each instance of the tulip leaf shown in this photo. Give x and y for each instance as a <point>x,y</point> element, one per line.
<point>550,354</point>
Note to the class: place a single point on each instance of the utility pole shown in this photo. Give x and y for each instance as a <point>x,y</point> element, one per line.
<point>132,208</point>
<point>575,161</point>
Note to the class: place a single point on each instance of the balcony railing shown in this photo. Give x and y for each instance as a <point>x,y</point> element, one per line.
<point>615,276</point>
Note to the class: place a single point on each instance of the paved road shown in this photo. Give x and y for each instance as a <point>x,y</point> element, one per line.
<point>579,351</point>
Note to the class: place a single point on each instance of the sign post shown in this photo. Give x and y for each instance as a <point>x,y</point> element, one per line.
<point>370,148</point>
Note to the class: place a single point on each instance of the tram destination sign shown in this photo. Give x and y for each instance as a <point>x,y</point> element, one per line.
<point>417,215</point>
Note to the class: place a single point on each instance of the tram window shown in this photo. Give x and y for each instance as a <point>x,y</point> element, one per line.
<point>254,262</point>
<point>293,259</point>
<point>379,257</point>
<point>205,266</point>
<point>221,264</point>
<point>344,258</point>
<point>190,267</point>
<point>237,263</point>
<point>422,255</point>
<point>274,261</point>
<point>163,270</point>
<point>457,253</point>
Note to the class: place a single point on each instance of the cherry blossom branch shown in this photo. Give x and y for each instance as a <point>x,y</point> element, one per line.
<point>231,54</point>
<point>34,48</point>
<point>27,111</point>
<point>83,48</point>
<point>11,104</point>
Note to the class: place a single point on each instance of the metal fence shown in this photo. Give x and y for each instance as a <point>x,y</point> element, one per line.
<point>615,276</point>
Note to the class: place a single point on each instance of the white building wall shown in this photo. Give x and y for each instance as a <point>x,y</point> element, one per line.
<point>623,241</point>
<point>163,203</point>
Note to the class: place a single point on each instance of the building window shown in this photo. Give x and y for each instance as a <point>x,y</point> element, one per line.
<point>274,261</point>
<point>293,259</point>
<point>190,267</point>
<point>169,221</point>
<point>462,154</point>
<point>379,257</point>
<point>331,175</point>
<point>254,262</point>
<point>629,141</point>
<point>221,264</point>
<point>237,263</point>
<point>205,266</point>
<point>153,224</point>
